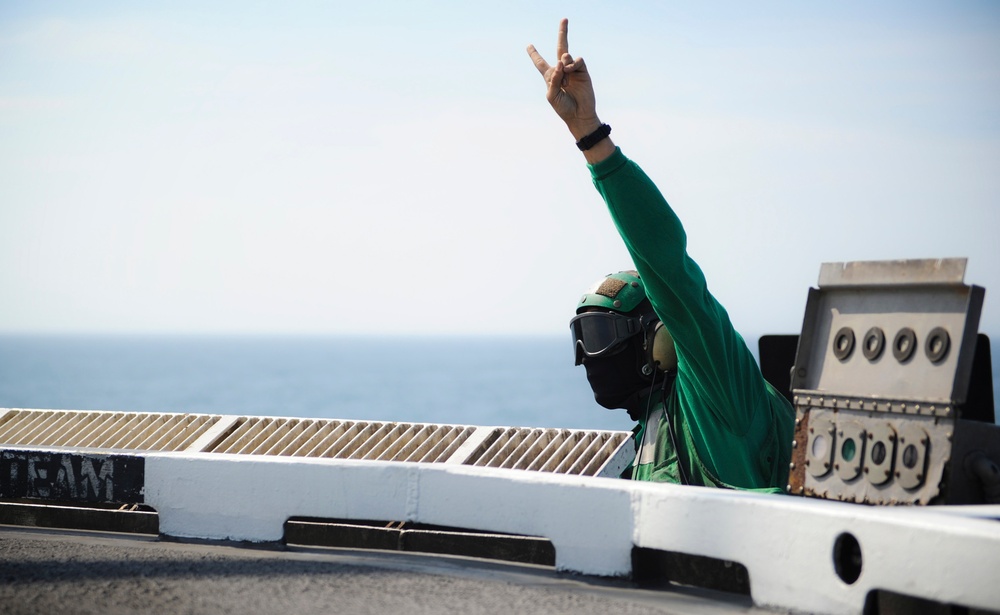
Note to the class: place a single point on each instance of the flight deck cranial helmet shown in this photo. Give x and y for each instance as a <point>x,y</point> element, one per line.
<point>612,312</point>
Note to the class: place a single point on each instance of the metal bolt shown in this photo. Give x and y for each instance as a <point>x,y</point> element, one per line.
<point>788,488</point>
<point>836,466</point>
<point>826,464</point>
<point>791,466</point>
<point>617,303</point>
<point>795,443</point>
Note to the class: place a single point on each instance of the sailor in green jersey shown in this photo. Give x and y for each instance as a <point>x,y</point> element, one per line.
<point>655,341</point>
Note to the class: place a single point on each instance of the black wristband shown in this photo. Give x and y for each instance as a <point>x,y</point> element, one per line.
<point>594,138</point>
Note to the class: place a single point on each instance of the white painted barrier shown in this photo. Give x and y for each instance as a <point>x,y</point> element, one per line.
<point>786,543</point>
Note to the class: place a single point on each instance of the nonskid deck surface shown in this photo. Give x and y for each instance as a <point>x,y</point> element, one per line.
<point>91,572</point>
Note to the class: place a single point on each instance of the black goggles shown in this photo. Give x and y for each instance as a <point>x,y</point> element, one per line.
<point>598,333</point>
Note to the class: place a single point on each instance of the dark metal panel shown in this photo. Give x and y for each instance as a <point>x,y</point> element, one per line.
<point>71,477</point>
<point>777,357</point>
<point>419,538</point>
<point>655,568</point>
<point>80,518</point>
<point>967,483</point>
<point>979,402</point>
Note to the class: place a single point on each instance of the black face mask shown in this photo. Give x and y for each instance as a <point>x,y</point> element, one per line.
<point>617,378</point>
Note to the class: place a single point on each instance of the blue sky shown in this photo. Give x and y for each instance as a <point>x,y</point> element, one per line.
<point>385,167</point>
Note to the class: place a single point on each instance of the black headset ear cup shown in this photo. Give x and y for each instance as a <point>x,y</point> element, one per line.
<point>663,352</point>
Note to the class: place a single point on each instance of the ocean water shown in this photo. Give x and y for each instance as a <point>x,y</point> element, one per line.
<point>511,381</point>
<point>526,382</point>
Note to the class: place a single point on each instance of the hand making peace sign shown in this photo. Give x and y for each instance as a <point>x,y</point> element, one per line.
<point>570,91</point>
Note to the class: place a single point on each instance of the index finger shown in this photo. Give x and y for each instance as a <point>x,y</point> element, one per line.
<point>562,43</point>
<point>539,61</point>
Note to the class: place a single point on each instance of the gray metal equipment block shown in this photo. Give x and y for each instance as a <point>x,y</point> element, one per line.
<point>881,372</point>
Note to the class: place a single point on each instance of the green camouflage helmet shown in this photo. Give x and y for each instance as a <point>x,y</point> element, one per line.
<point>621,292</point>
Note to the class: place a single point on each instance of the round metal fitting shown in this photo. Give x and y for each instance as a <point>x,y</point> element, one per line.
<point>820,446</point>
<point>904,344</point>
<point>873,344</point>
<point>843,343</point>
<point>880,454</point>
<point>937,344</point>
<point>850,449</point>
<point>912,453</point>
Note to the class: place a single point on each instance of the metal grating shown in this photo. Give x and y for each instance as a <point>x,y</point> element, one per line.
<point>110,430</point>
<point>344,439</point>
<point>562,451</point>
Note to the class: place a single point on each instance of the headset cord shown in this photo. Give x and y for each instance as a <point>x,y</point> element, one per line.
<point>645,426</point>
<point>670,429</point>
<point>667,380</point>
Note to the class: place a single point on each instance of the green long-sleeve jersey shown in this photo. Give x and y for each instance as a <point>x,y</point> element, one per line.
<point>731,427</point>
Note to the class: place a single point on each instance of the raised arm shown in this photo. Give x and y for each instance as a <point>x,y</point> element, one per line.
<point>712,357</point>
<point>571,94</point>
